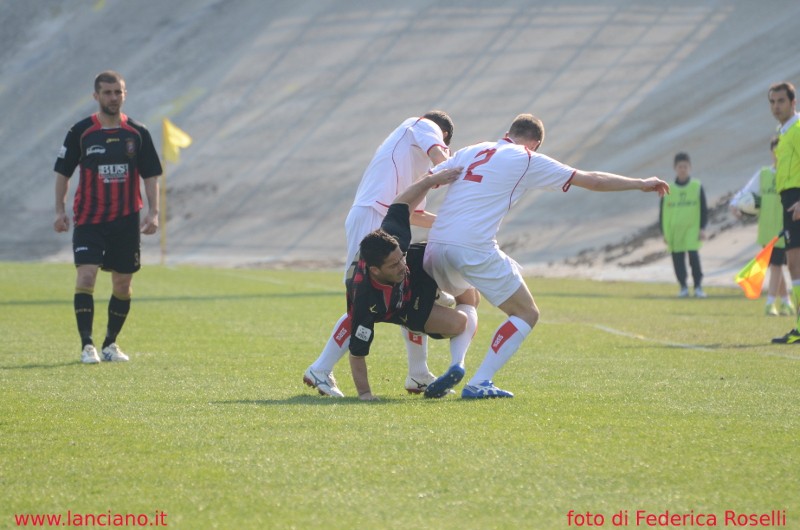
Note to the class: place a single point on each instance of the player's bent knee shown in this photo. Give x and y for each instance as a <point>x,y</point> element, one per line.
<point>460,322</point>
<point>535,314</point>
<point>86,277</point>
<point>469,297</point>
<point>445,322</point>
<point>530,315</point>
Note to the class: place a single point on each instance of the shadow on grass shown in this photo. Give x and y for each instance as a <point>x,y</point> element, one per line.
<point>760,346</point>
<point>327,401</point>
<point>204,298</point>
<point>711,297</point>
<point>622,296</point>
<point>36,366</point>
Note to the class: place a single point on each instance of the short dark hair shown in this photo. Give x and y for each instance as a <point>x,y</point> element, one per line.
<point>440,118</point>
<point>773,143</point>
<point>108,76</point>
<point>681,157</point>
<point>527,126</point>
<point>783,85</point>
<point>376,247</point>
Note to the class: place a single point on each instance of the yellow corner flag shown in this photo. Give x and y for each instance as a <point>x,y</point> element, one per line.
<point>751,277</point>
<point>173,140</point>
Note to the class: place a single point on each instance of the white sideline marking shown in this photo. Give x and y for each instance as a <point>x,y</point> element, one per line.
<point>680,345</point>
<point>642,337</point>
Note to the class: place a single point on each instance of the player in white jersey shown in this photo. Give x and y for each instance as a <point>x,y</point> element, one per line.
<point>407,154</point>
<point>462,253</point>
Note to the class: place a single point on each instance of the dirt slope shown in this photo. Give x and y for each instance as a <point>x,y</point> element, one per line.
<point>287,101</point>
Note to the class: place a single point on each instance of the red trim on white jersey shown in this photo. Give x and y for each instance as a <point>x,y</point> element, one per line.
<point>568,184</point>
<point>437,145</point>
<point>511,196</point>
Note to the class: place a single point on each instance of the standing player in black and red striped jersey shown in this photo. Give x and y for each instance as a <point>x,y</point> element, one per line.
<point>114,153</point>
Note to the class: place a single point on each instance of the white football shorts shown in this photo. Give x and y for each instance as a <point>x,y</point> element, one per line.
<point>456,269</point>
<point>361,220</point>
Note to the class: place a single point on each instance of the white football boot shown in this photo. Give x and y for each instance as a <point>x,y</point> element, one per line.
<point>324,383</point>
<point>417,385</point>
<point>89,355</point>
<point>113,354</point>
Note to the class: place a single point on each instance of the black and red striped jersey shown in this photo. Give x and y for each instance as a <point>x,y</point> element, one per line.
<point>370,302</point>
<point>112,162</point>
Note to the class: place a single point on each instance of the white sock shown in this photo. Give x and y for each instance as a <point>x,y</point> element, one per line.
<point>770,300</point>
<point>460,343</point>
<point>337,345</point>
<point>417,347</point>
<point>507,340</point>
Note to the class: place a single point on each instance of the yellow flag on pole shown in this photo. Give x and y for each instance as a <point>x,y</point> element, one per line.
<point>751,277</point>
<point>174,139</point>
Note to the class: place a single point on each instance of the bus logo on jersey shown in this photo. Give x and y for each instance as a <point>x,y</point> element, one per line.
<point>112,172</point>
<point>96,150</point>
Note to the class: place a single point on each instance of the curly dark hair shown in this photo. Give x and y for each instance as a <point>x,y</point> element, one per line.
<point>376,247</point>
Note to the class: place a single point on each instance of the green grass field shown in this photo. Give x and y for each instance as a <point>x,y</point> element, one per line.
<point>626,399</point>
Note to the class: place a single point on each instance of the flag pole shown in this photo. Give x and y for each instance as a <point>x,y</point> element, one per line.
<point>162,212</point>
<point>751,277</point>
<point>173,139</point>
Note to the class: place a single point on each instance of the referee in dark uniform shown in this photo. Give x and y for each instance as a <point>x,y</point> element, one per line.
<point>114,153</point>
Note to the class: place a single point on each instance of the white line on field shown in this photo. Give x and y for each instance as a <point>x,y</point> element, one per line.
<point>646,339</point>
<point>680,345</point>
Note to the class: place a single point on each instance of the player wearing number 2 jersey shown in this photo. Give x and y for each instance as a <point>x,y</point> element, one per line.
<point>497,175</point>
<point>462,254</point>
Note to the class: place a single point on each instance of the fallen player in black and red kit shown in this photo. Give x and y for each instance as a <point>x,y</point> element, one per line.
<point>386,283</point>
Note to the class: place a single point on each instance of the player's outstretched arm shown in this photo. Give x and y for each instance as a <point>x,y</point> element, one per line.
<point>414,194</point>
<point>423,219</point>
<point>358,366</point>
<point>601,181</point>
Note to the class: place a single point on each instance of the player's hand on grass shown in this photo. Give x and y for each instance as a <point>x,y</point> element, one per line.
<point>367,396</point>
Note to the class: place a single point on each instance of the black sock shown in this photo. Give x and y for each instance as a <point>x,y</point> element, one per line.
<point>84,314</point>
<point>117,313</point>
